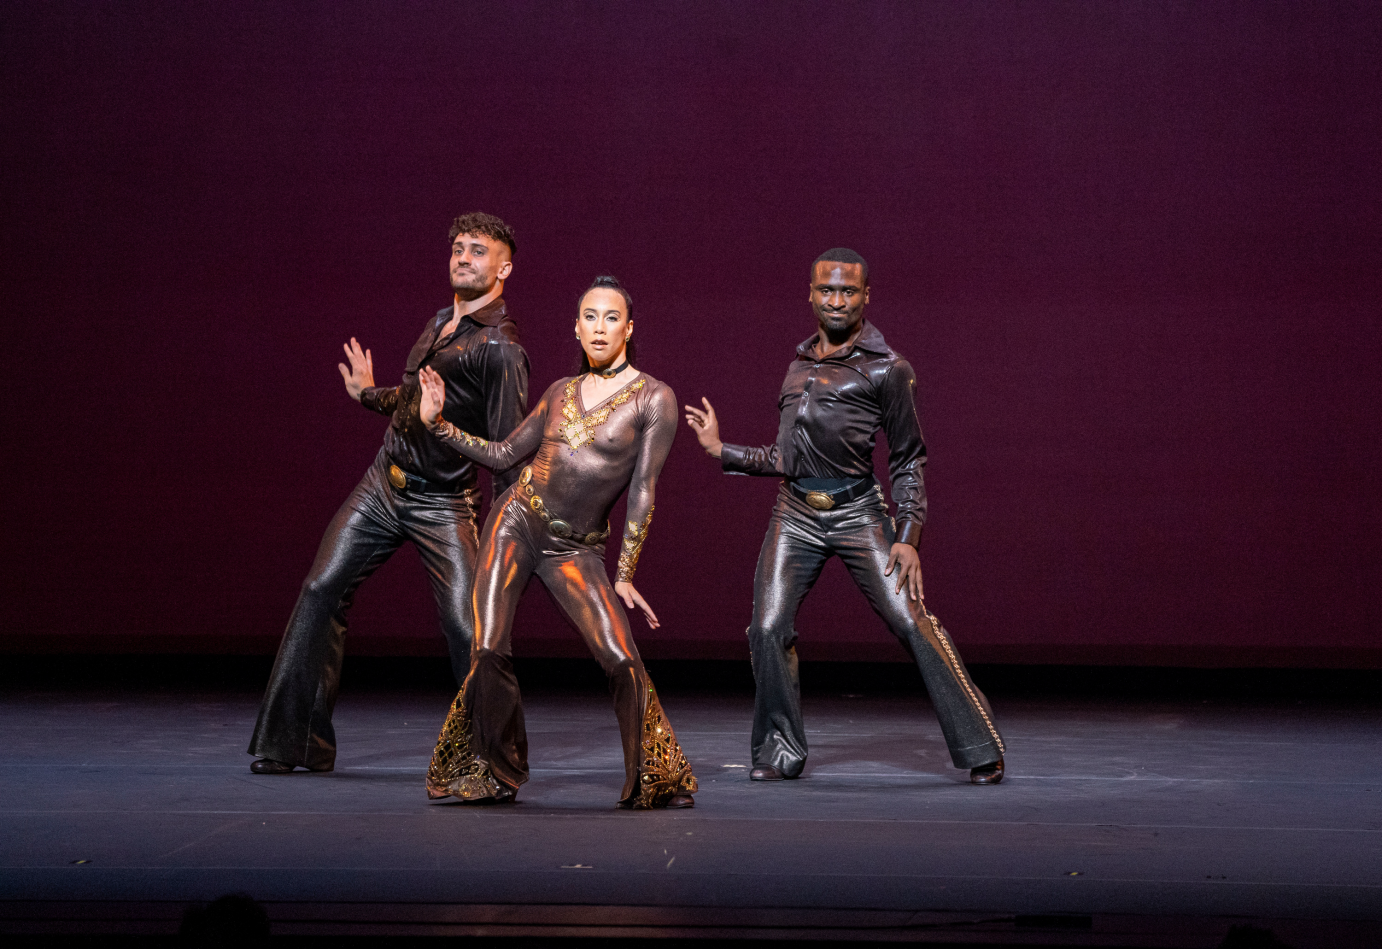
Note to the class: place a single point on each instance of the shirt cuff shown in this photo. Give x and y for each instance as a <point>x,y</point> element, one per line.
<point>732,459</point>
<point>372,398</point>
<point>909,533</point>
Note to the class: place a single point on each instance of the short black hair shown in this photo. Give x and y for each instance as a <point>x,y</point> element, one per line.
<point>842,255</point>
<point>486,225</point>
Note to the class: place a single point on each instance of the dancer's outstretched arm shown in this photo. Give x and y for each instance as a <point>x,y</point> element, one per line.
<point>497,456</point>
<point>743,459</point>
<point>359,380</point>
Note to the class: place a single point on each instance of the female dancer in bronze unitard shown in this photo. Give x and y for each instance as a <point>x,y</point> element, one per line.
<point>553,522</point>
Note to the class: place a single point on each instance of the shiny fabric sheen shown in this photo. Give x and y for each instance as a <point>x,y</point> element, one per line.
<point>800,540</point>
<point>831,409</point>
<point>486,375</point>
<point>517,545</point>
<point>294,724</point>
<point>578,486</point>
<point>581,485</point>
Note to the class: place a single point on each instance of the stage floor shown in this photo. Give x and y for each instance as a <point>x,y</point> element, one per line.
<point>1165,817</point>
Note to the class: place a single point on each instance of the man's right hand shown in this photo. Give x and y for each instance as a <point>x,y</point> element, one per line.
<point>360,375</point>
<point>706,426</point>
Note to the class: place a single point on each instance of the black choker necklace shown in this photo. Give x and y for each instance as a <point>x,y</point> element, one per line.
<point>611,373</point>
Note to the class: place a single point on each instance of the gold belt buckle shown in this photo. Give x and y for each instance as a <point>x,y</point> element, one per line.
<point>397,478</point>
<point>820,500</point>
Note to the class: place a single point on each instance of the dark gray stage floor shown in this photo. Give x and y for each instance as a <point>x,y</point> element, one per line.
<point>1114,808</point>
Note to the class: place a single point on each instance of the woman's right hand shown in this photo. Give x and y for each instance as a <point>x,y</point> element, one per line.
<point>706,426</point>
<point>433,396</point>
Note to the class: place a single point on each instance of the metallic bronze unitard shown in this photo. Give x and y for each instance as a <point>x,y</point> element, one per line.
<point>554,523</point>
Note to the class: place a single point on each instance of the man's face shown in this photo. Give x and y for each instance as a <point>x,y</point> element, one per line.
<point>838,296</point>
<point>477,263</point>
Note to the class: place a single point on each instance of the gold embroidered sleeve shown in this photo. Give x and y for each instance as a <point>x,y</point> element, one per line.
<point>448,432</point>
<point>634,536</point>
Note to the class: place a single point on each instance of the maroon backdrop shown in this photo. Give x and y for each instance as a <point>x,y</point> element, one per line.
<point>1132,251</point>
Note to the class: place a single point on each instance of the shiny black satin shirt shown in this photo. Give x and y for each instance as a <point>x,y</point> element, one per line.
<point>486,376</point>
<point>831,411</point>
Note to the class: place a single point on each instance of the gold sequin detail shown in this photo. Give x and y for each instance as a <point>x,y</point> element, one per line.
<point>454,769</point>
<point>960,674</point>
<point>445,429</point>
<point>579,429</point>
<point>665,771</point>
<point>634,536</point>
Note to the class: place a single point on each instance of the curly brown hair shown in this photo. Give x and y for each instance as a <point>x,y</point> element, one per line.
<point>486,225</point>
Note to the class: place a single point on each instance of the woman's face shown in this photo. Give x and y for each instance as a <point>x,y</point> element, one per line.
<point>603,326</point>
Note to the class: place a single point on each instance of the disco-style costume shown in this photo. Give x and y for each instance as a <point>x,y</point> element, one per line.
<point>554,523</point>
<point>830,504</point>
<point>417,490</point>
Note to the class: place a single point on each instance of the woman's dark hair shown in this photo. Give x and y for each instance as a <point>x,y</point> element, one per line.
<point>610,283</point>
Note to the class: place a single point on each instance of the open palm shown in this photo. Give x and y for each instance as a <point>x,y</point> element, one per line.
<point>433,396</point>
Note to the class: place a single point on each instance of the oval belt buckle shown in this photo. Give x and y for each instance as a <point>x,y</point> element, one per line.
<point>397,478</point>
<point>820,500</point>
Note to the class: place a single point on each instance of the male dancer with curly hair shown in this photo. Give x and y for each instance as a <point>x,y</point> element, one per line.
<point>844,385</point>
<point>417,490</point>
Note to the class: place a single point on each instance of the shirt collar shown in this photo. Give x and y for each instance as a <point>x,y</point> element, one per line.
<point>488,315</point>
<point>869,340</point>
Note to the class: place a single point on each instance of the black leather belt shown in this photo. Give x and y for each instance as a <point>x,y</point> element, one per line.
<point>824,500</point>
<point>405,480</point>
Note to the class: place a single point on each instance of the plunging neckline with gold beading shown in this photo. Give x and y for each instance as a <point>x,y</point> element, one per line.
<point>580,425</point>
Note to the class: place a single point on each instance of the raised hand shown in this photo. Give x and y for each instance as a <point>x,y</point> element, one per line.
<point>903,558</point>
<point>433,396</point>
<point>706,426</point>
<point>360,375</point>
<point>631,597</point>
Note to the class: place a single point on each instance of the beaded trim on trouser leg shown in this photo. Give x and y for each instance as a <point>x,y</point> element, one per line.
<point>664,771</point>
<point>455,771</point>
<point>963,679</point>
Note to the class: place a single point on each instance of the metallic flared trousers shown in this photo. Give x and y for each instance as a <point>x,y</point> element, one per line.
<point>800,540</point>
<point>295,717</point>
<point>482,751</point>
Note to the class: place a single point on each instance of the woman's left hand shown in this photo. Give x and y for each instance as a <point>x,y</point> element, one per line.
<point>433,396</point>
<point>632,598</point>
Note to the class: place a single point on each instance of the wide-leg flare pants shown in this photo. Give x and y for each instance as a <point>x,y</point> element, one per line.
<point>294,724</point>
<point>482,751</point>
<point>800,540</point>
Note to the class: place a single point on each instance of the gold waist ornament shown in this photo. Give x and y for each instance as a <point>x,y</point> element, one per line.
<point>556,525</point>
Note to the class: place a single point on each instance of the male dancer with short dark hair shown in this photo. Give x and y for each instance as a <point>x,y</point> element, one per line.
<point>844,385</point>
<point>417,490</point>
